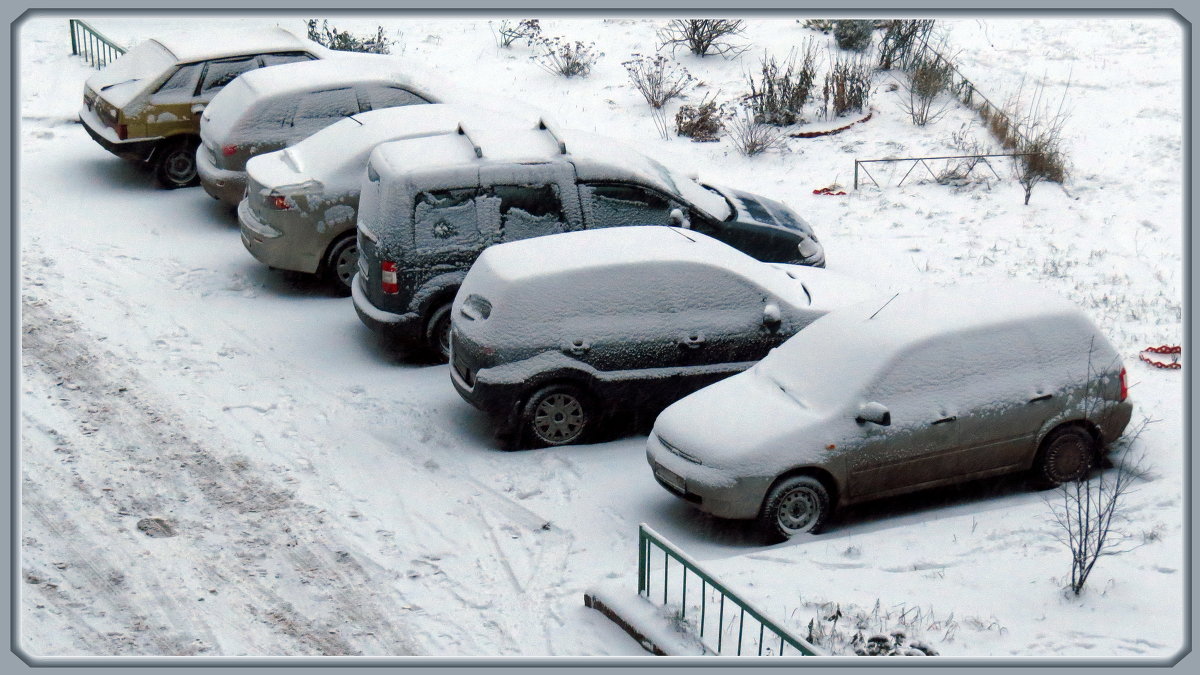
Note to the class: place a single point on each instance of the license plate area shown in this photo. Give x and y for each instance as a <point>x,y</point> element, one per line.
<point>670,478</point>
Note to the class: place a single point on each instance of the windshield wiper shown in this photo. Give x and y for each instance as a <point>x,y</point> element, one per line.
<point>114,84</point>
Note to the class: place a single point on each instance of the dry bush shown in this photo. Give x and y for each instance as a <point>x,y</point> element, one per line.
<point>929,77</point>
<point>563,57</point>
<point>853,34</point>
<point>345,41</point>
<point>525,29</point>
<point>658,79</point>
<point>701,122</point>
<point>1036,133</point>
<point>784,89</point>
<point>826,26</point>
<point>704,36</point>
<point>903,40</point>
<point>752,137</point>
<point>847,86</point>
<point>960,171</point>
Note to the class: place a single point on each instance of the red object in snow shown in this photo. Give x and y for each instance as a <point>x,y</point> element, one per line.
<point>828,191</point>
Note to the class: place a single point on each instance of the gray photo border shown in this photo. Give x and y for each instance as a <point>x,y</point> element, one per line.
<point>1185,13</point>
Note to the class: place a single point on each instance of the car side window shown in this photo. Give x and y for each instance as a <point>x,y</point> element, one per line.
<point>613,204</point>
<point>919,383</point>
<point>528,210</point>
<point>446,219</point>
<point>220,73</point>
<point>330,104</point>
<point>285,57</point>
<point>182,83</point>
<point>389,97</point>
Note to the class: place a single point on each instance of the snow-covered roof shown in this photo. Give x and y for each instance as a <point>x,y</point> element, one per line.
<point>305,76</point>
<point>199,46</point>
<point>611,247</point>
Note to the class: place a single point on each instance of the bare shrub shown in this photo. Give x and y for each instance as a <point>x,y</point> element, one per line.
<point>525,29</point>
<point>657,78</point>
<point>701,122</point>
<point>960,171</point>
<point>752,137</point>
<point>784,89</point>
<point>847,86</point>
<point>563,57</point>
<point>929,77</point>
<point>704,36</point>
<point>1089,514</point>
<point>824,25</point>
<point>853,34</point>
<point>903,40</point>
<point>345,41</point>
<point>1036,133</point>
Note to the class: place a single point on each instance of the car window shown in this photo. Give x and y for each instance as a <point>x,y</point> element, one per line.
<point>182,83</point>
<point>221,73</point>
<point>527,210</point>
<point>919,383</point>
<point>446,219</point>
<point>613,204</point>
<point>331,104</point>
<point>286,57</point>
<point>389,97</point>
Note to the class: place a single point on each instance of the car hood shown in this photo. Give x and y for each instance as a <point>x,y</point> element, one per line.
<point>752,208</point>
<point>744,423</point>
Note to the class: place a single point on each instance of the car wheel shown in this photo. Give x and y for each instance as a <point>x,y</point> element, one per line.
<point>794,506</point>
<point>437,333</point>
<point>1067,454</point>
<point>175,165</point>
<point>341,263</point>
<point>560,414</point>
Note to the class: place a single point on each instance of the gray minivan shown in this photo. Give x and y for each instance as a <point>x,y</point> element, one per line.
<point>429,206</point>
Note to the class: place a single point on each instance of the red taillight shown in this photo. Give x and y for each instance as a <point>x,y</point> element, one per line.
<point>1124,385</point>
<point>228,150</point>
<point>122,131</point>
<point>279,202</point>
<point>388,277</point>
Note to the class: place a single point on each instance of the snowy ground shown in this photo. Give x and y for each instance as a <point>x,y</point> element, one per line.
<point>330,498</point>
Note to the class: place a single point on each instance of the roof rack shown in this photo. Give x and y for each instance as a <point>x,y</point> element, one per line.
<point>462,131</point>
<point>545,126</point>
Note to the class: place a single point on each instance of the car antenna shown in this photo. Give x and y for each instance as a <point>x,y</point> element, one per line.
<point>881,308</point>
<point>351,116</point>
<point>679,232</point>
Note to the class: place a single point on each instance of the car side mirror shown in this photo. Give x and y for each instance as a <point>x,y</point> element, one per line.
<point>875,413</point>
<point>771,314</point>
<point>679,219</point>
<point>197,108</point>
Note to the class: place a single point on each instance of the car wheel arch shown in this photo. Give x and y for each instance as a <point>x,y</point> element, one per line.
<point>824,475</point>
<point>1054,424</point>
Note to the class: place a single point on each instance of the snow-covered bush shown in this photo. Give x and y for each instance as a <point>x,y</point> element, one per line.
<point>525,29</point>
<point>701,122</point>
<point>847,86</point>
<point>704,36</point>
<point>657,78</point>
<point>929,76</point>
<point>824,25</point>
<point>784,89</point>
<point>563,57</point>
<point>345,41</point>
<point>902,40</point>
<point>853,34</point>
<point>752,137</point>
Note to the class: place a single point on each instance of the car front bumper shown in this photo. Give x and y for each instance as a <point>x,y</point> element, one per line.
<point>223,184</point>
<point>711,490</point>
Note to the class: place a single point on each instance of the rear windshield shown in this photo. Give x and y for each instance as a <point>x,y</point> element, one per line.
<point>222,115</point>
<point>147,61</point>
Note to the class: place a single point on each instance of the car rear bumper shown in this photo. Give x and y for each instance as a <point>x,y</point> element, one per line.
<point>136,150</point>
<point>223,184</point>
<point>405,328</point>
<point>276,248</point>
<point>501,402</point>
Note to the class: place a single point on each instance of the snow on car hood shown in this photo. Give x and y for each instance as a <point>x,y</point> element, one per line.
<point>753,208</point>
<point>755,440</point>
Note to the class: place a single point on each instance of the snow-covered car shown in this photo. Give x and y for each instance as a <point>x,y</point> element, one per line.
<point>552,334</point>
<point>431,205</point>
<point>301,206</point>
<point>145,106</point>
<point>932,388</point>
<point>266,110</point>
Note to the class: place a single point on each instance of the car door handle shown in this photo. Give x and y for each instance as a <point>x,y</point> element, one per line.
<point>1043,397</point>
<point>692,341</point>
<point>944,420</point>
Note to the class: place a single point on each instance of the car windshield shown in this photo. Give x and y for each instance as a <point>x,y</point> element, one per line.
<point>711,203</point>
<point>821,366</point>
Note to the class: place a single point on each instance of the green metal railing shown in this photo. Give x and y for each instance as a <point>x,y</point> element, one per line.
<point>96,49</point>
<point>709,587</point>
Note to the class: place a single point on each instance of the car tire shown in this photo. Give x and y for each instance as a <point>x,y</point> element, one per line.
<point>1067,454</point>
<point>437,333</point>
<point>175,163</point>
<point>795,505</point>
<point>560,414</point>
<point>341,262</point>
